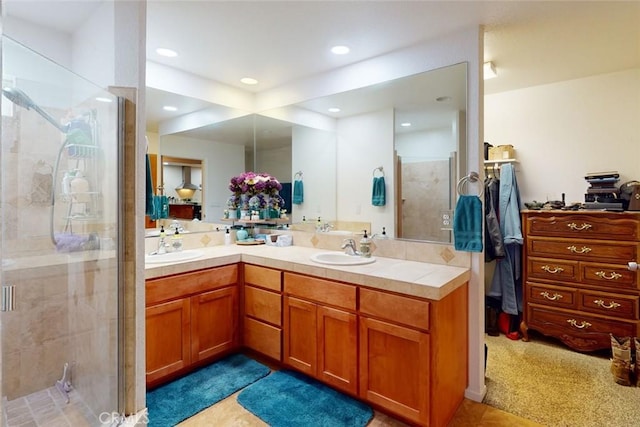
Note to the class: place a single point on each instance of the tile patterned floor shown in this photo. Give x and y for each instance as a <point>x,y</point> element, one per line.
<point>47,408</point>
<point>229,413</point>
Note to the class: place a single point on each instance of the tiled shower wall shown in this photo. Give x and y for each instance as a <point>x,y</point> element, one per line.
<point>64,313</point>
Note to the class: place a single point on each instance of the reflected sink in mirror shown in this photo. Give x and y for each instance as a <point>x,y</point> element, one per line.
<point>339,258</point>
<point>339,232</point>
<point>173,257</point>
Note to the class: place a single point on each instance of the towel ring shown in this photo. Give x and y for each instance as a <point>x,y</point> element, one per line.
<point>297,175</point>
<point>472,177</point>
<point>379,168</point>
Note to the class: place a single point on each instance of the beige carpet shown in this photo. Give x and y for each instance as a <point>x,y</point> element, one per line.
<point>545,382</point>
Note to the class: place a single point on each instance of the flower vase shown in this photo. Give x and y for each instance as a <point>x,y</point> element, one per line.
<point>244,214</point>
<point>264,213</point>
<point>233,213</point>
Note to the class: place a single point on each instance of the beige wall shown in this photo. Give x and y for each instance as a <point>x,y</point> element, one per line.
<point>562,131</point>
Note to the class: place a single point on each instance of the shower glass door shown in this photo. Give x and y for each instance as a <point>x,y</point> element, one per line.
<point>59,213</point>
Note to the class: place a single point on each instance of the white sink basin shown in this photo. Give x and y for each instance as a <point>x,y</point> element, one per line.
<point>173,256</point>
<point>339,232</point>
<point>339,258</point>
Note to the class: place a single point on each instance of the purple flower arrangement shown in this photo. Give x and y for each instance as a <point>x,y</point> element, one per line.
<point>254,190</point>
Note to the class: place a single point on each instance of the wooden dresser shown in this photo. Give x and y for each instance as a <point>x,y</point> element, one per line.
<point>577,284</point>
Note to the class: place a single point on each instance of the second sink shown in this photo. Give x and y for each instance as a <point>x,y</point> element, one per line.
<point>173,257</point>
<point>339,258</point>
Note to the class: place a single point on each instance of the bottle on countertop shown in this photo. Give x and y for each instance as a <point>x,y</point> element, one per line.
<point>227,237</point>
<point>177,241</point>
<point>242,234</point>
<point>365,245</point>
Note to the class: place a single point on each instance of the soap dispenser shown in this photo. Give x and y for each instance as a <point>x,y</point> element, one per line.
<point>227,237</point>
<point>177,241</point>
<point>365,245</point>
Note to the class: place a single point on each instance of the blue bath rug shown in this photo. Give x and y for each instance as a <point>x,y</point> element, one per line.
<point>180,399</point>
<point>288,399</point>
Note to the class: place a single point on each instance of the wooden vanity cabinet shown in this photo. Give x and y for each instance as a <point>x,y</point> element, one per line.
<point>262,316</point>
<point>413,358</point>
<point>321,330</point>
<point>191,319</point>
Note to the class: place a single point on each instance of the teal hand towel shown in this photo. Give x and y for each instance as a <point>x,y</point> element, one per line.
<point>467,224</point>
<point>298,192</point>
<point>378,194</point>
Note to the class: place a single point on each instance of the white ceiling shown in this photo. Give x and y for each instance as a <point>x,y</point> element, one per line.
<point>276,42</point>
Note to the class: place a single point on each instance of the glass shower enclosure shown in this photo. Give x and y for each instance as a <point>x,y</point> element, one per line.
<point>60,320</point>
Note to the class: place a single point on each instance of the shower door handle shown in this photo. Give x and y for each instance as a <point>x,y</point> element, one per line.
<point>8,298</point>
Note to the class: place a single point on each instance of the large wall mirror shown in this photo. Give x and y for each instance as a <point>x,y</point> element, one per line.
<point>410,130</point>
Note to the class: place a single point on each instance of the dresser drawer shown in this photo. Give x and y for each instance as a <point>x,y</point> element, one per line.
<point>610,275</point>
<point>622,306</point>
<point>554,296</point>
<point>552,269</point>
<point>578,330</point>
<point>615,252</point>
<point>606,227</point>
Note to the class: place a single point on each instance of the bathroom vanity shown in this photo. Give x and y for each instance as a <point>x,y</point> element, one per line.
<point>392,333</point>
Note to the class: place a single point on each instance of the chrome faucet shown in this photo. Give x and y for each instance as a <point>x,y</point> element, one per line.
<point>326,227</point>
<point>349,246</point>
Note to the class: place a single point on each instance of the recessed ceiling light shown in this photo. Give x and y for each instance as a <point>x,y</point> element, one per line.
<point>405,124</point>
<point>102,99</point>
<point>169,53</point>
<point>169,108</point>
<point>249,81</point>
<point>340,50</point>
<point>334,110</point>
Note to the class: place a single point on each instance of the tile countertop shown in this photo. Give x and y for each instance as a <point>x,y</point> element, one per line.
<point>426,280</point>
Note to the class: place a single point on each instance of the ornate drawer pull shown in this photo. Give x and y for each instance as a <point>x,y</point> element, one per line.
<point>552,270</point>
<point>577,227</point>
<point>584,250</point>
<point>612,276</point>
<point>601,303</point>
<point>574,323</point>
<point>556,296</point>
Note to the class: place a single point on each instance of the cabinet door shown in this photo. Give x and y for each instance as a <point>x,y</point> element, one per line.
<point>167,338</point>
<point>394,368</point>
<point>300,344</point>
<point>214,319</point>
<point>338,348</point>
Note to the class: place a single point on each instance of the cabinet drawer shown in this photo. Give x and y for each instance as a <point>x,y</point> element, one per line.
<point>263,305</point>
<point>582,249</point>
<point>552,269</point>
<point>610,275</point>
<point>606,227</point>
<point>622,306</point>
<point>396,308</point>
<point>263,338</point>
<point>172,287</point>
<point>577,330</point>
<point>320,290</point>
<point>554,296</point>
<point>263,277</point>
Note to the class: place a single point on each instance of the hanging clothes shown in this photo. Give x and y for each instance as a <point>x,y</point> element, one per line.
<point>494,244</point>
<point>507,279</point>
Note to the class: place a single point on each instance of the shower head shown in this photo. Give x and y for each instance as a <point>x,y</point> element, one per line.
<point>23,100</point>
